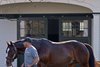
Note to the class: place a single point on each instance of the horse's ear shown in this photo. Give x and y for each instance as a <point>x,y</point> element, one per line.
<point>8,43</point>
<point>11,43</point>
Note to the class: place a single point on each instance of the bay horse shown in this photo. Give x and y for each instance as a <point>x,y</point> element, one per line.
<point>55,54</point>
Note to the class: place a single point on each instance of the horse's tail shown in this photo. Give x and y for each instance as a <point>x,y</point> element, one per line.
<point>91,58</point>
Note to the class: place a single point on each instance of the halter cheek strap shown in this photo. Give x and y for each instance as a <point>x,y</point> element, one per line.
<point>7,49</point>
<point>14,56</point>
<point>15,53</point>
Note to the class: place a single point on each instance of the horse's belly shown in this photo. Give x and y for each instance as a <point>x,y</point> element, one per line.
<point>61,56</point>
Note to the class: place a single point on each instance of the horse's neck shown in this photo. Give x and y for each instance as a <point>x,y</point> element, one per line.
<point>36,44</point>
<point>20,47</point>
<point>41,43</point>
<point>20,50</point>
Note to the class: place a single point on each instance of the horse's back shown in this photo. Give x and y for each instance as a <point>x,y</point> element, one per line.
<point>62,42</point>
<point>71,44</point>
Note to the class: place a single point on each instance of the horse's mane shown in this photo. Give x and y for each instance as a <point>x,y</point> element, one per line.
<point>19,43</point>
<point>40,40</point>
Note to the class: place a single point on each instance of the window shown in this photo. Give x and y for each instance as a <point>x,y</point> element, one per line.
<point>75,28</point>
<point>33,28</point>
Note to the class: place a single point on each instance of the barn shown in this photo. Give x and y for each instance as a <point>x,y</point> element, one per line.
<point>56,20</point>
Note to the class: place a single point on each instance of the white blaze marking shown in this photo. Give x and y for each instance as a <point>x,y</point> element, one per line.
<point>7,52</point>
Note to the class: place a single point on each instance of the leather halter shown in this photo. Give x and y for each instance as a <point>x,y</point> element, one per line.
<point>9,58</point>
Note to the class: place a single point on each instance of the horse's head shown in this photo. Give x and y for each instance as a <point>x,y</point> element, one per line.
<point>11,53</point>
<point>13,49</point>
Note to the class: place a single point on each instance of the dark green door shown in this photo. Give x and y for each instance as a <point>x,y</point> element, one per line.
<point>53,29</point>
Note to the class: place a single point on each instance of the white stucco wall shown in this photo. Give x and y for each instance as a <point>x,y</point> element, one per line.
<point>8,31</point>
<point>91,4</point>
<point>96,36</point>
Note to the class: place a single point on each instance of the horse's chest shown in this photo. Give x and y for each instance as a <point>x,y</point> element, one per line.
<point>44,54</point>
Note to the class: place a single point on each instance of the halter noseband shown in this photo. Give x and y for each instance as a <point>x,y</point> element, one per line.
<point>15,53</point>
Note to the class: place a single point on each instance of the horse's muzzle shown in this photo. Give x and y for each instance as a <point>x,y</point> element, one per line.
<point>8,63</point>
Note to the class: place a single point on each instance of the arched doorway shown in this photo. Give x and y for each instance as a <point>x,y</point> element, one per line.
<point>55,21</point>
<point>57,18</point>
